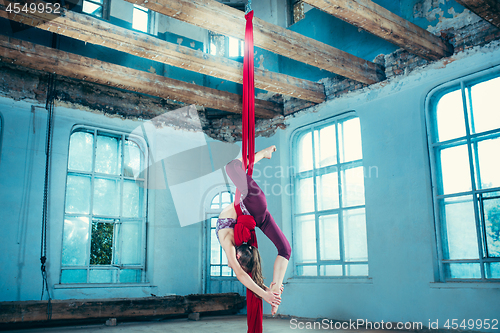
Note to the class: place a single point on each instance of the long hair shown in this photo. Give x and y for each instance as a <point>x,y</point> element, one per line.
<point>250,262</point>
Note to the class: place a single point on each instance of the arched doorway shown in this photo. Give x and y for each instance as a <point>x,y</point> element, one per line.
<point>219,277</point>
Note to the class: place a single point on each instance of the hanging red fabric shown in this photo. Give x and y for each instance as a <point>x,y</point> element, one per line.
<point>248,98</point>
<point>254,303</point>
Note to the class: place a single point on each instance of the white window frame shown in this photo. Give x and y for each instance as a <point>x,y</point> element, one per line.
<point>148,12</point>
<point>143,147</point>
<point>435,168</point>
<point>105,8</point>
<point>310,128</point>
<point>1,135</point>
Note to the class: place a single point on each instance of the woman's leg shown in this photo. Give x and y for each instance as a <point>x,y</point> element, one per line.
<point>274,233</point>
<point>249,189</point>
<point>264,153</point>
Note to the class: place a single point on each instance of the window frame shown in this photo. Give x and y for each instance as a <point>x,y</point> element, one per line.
<point>225,54</point>
<point>1,135</point>
<point>105,8</point>
<point>142,144</point>
<point>296,134</point>
<point>434,146</point>
<point>213,213</point>
<point>148,12</point>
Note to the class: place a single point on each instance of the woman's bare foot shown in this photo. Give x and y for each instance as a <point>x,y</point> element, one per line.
<point>268,152</point>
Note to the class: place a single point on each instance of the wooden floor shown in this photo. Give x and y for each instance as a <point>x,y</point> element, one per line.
<point>220,324</point>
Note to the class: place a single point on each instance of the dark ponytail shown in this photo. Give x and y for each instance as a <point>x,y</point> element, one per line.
<point>250,262</point>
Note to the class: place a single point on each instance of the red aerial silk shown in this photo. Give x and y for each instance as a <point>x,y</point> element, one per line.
<point>244,231</point>
<point>248,99</point>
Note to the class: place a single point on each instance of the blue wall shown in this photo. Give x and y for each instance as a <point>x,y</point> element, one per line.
<point>399,212</point>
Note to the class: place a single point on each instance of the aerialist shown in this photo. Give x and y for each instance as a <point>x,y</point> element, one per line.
<point>235,225</point>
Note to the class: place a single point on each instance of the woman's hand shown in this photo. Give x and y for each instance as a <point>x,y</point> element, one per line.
<point>272,298</point>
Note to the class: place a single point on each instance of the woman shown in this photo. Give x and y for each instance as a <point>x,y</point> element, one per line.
<point>246,259</point>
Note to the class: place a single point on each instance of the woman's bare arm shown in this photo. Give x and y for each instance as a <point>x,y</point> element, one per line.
<point>228,246</point>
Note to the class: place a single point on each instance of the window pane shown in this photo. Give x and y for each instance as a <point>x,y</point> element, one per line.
<point>350,140</point>
<point>485,101</point>
<point>328,191</point>
<point>130,275</point>
<point>304,195</point>
<point>353,189</point>
<point>462,271</point>
<point>108,155</point>
<point>213,222</point>
<point>307,271</point>
<point>226,271</point>
<point>133,159</point>
<point>455,170</point>
<point>458,228</point>
<point>129,236</point>
<point>215,202</point>
<point>450,116</point>
<point>325,146</point>
<point>234,48</point>
<point>101,249</point>
<point>492,270</point>
<point>78,194</point>
<point>489,163</point>
<point>217,47</point>
<point>92,8</point>
<point>355,235</point>
<point>226,199</point>
<point>214,248</point>
<point>75,241</point>
<point>132,198</point>
<point>215,271</point>
<point>356,270</point>
<point>101,276</point>
<point>330,270</point>
<point>305,153</point>
<point>106,197</point>
<point>492,226</point>
<point>306,239</point>
<point>140,20</point>
<point>329,247</point>
<point>74,276</point>
<point>81,145</point>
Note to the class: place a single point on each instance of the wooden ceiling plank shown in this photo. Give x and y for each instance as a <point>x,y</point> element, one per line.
<point>489,10</point>
<point>377,20</point>
<point>50,60</point>
<point>220,18</point>
<point>98,32</point>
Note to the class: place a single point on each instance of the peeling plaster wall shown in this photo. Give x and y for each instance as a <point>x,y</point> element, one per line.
<point>399,210</point>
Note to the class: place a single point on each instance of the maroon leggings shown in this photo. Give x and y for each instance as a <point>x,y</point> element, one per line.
<point>255,202</point>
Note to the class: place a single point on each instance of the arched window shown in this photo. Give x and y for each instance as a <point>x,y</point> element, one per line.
<point>104,233</point>
<point>329,230</point>
<point>219,277</point>
<point>1,134</point>
<point>464,142</point>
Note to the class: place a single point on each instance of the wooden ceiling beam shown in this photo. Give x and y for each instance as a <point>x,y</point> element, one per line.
<point>220,18</point>
<point>92,30</point>
<point>489,10</point>
<point>377,20</point>
<point>50,60</point>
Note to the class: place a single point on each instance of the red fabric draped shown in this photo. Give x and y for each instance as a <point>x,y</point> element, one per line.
<point>244,230</point>
<point>248,98</point>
